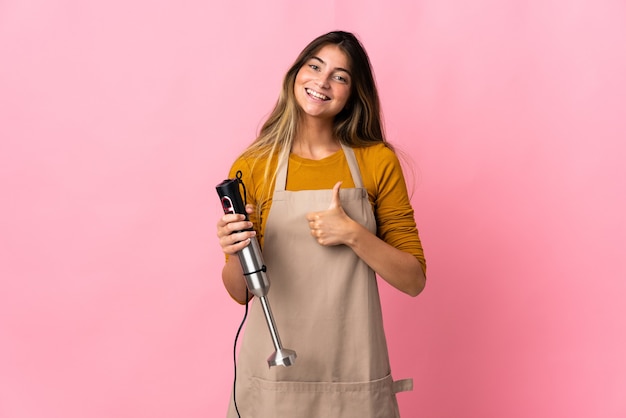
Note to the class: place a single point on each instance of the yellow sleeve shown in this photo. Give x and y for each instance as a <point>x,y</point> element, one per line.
<point>395,218</point>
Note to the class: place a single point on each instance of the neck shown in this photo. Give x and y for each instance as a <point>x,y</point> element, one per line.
<point>315,139</point>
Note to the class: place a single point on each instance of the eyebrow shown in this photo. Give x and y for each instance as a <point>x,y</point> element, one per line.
<point>337,69</point>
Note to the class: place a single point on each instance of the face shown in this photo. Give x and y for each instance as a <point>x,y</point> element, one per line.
<point>322,86</point>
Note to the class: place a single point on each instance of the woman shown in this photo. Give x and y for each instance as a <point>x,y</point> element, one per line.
<point>329,202</point>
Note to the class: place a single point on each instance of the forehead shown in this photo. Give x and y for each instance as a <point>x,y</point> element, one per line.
<point>333,56</point>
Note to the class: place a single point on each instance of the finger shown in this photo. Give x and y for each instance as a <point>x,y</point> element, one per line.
<point>236,238</point>
<point>238,226</point>
<point>236,241</point>
<point>335,202</point>
<point>228,225</point>
<point>312,217</point>
<point>235,248</point>
<point>231,217</point>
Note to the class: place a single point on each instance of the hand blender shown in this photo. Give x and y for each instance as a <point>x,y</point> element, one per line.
<point>254,270</point>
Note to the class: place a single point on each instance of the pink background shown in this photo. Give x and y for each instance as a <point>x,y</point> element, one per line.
<point>117,119</point>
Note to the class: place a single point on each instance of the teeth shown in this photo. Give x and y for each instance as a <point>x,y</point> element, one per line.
<point>316,94</point>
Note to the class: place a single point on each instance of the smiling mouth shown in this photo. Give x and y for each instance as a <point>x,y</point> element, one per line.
<point>316,95</point>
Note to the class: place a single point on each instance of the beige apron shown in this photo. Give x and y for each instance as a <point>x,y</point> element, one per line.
<point>326,307</point>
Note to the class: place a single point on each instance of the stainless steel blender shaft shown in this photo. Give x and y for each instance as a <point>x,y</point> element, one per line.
<point>282,356</point>
<point>254,271</point>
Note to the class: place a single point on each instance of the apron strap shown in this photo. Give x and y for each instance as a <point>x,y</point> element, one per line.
<point>281,172</point>
<point>354,166</point>
<point>403,385</point>
<point>281,175</point>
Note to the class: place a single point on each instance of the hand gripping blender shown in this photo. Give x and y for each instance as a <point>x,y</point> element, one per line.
<point>254,270</point>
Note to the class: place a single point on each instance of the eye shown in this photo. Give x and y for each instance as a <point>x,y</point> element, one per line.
<point>341,79</point>
<point>314,67</point>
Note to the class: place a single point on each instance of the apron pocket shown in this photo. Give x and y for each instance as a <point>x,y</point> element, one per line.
<point>374,399</point>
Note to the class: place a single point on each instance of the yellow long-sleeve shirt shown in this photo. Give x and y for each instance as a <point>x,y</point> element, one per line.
<point>382,177</point>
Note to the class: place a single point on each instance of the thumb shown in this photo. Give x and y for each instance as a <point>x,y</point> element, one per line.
<point>335,202</point>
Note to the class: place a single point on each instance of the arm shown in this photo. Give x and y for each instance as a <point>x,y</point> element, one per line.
<point>231,241</point>
<point>399,268</point>
<point>232,276</point>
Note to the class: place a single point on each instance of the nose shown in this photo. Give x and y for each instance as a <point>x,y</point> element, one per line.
<point>322,81</point>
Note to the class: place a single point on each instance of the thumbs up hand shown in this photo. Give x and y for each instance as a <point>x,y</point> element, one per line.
<point>332,226</point>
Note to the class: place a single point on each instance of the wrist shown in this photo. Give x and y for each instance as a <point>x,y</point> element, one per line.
<point>355,233</point>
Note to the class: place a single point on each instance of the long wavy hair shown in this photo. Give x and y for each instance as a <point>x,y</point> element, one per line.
<point>358,124</point>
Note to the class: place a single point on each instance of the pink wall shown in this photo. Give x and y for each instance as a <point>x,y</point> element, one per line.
<point>118,118</point>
